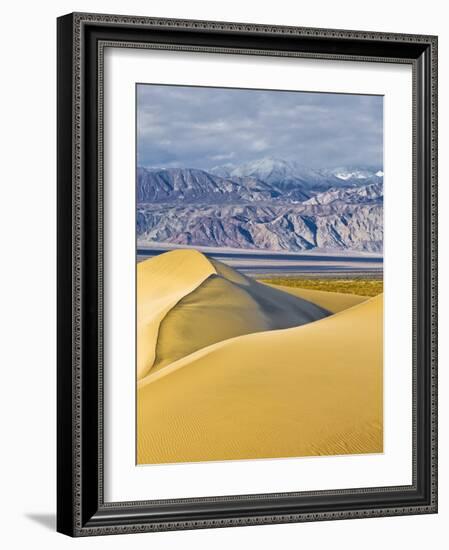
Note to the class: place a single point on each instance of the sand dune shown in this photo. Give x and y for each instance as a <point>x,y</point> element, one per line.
<point>161,283</point>
<point>314,389</point>
<point>332,301</point>
<point>225,305</point>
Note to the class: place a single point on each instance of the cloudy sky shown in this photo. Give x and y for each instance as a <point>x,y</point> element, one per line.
<point>193,127</point>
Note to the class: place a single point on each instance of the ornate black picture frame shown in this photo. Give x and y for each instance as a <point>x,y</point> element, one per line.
<point>81,510</point>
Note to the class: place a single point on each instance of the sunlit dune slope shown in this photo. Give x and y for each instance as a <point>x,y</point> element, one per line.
<point>309,390</point>
<point>332,301</point>
<point>226,305</point>
<point>161,282</point>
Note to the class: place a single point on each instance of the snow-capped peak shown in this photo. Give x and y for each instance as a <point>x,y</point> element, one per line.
<point>356,174</point>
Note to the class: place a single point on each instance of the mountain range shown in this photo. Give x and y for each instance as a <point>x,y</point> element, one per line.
<point>291,175</point>
<point>269,204</point>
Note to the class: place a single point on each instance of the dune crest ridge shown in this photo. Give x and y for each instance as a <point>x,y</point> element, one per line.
<point>161,282</point>
<point>225,305</point>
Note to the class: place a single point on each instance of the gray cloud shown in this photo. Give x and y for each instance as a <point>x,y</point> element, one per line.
<point>182,126</point>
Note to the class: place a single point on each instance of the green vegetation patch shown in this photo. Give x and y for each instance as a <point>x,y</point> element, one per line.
<point>361,287</point>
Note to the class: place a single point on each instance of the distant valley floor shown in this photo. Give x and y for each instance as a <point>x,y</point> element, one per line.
<point>312,264</point>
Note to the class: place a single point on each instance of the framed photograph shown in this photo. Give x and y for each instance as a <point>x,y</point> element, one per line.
<point>246,274</point>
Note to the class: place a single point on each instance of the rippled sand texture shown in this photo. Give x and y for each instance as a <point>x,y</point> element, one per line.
<point>229,368</point>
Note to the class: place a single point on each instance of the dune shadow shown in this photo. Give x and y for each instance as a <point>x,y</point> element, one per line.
<point>46,520</point>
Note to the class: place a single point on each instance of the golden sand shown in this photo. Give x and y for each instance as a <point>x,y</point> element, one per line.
<point>333,301</point>
<point>226,305</point>
<point>161,282</point>
<point>314,389</point>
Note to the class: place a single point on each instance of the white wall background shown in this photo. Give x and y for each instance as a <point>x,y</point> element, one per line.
<point>28,283</point>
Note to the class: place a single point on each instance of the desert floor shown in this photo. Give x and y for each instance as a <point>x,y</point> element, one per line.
<point>230,368</point>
